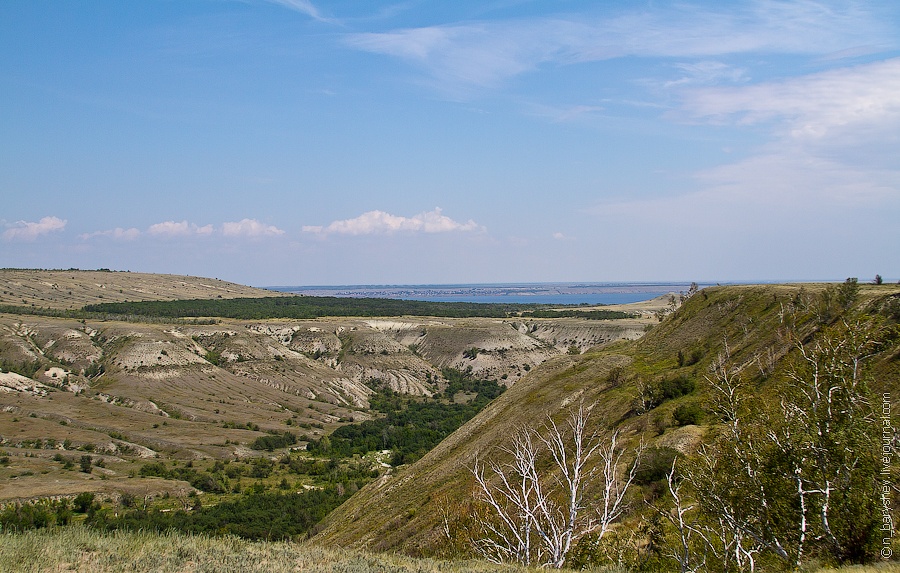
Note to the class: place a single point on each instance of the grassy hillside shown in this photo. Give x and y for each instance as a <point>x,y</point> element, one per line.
<point>80,549</point>
<point>423,508</point>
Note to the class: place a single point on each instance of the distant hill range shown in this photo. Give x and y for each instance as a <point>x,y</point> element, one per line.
<point>190,389</point>
<point>65,289</point>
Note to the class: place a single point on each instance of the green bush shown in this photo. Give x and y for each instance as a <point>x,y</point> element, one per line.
<point>83,502</point>
<point>687,414</point>
<point>666,389</point>
<point>274,441</point>
<point>654,465</point>
<point>257,515</point>
<point>35,515</point>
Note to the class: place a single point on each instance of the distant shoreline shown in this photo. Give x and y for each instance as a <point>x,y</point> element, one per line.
<point>540,293</point>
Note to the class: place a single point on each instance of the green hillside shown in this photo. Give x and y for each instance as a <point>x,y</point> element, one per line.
<point>656,390</point>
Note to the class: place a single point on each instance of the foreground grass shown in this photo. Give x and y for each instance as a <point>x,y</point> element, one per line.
<point>77,548</point>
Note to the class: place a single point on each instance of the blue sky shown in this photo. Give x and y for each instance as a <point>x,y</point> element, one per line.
<point>295,142</point>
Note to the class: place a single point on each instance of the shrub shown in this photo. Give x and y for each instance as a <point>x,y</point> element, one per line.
<point>659,391</point>
<point>686,414</point>
<point>35,515</point>
<point>655,465</point>
<point>274,441</point>
<point>83,502</point>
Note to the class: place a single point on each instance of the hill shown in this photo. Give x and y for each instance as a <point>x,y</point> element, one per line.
<point>73,288</point>
<point>159,407</point>
<point>426,508</point>
<point>192,391</point>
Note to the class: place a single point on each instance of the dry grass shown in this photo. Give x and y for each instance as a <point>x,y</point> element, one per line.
<point>77,548</point>
<point>80,549</point>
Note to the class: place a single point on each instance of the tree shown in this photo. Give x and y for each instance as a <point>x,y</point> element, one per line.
<point>848,292</point>
<point>801,480</point>
<point>535,502</point>
<point>83,502</point>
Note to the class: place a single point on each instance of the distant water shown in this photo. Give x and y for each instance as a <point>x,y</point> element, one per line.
<point>516,293</point>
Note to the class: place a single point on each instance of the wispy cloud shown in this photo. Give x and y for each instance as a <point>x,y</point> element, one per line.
<point>118,234</point>
<point>793,180</point>
<point>480,55</point>
<point>707,72</point>
<point>830,162</point>
<point>247,228</point>
<point>812,105</point>
<point>30,230</point>
<point>483,54</point>
<point>250,228</point>
<point>835,139</point>
<point>379,222</point>
<point>568,114</point>
<point>791,190</point>
<point>304,7</point>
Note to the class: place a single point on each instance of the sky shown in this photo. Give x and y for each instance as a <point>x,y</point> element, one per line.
<point>316,142</point>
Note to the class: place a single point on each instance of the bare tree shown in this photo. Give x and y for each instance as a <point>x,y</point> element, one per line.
<point>800,478</point>
<point>536,500</point>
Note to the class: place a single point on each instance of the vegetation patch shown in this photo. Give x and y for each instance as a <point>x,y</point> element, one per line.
<point>308,307</point>
<point>264,515</point>
<point>602,314</point>
<point>274,441</point>
<point>410,427</point>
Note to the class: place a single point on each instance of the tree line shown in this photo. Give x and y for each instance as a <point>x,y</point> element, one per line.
<point>309,307</point>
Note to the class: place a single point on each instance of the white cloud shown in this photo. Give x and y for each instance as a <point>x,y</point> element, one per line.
<point>178,229</point>
<point>379,222</point>
<point>172,229</point>
<point>831,163</point>
<point>250,228</point>
<point>29,230</point>
<point>814,105</point>
<point>836,139</point>
<point>118,234</point>
<point>483,54</point>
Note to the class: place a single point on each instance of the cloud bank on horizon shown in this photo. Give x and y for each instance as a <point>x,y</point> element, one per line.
<point>303,142</point>
<point>379,222</point>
